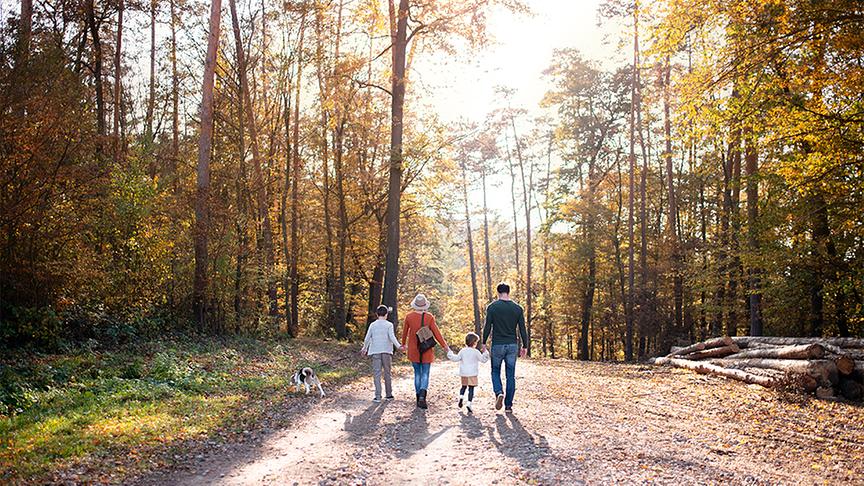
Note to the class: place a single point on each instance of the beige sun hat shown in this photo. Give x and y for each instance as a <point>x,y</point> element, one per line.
<point>420,303</point>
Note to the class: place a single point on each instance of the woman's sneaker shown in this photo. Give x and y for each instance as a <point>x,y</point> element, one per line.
<point>461,397</point>
<point>499,401</point>
<point>468,407</point>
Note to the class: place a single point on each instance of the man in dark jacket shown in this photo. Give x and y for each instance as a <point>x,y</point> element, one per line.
<point>503,317</point>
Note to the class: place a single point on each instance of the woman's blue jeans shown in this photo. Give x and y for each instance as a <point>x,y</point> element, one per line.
<point>421,376</point>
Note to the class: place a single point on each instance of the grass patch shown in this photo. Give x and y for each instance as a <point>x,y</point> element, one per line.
<point>103,414</point>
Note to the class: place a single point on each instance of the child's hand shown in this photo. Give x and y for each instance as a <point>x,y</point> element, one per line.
<point>402,348</point>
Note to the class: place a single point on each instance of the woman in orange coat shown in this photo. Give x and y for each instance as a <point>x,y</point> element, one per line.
<point>421,363</point>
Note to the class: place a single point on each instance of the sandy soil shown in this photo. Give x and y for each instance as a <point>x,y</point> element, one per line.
<point>574,423</point>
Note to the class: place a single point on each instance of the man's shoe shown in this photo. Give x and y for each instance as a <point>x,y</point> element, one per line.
<point>499,401</point>
<point>421,401</point>
<point>389,397</point>
<point>376,400</point>
<point>508,410</point>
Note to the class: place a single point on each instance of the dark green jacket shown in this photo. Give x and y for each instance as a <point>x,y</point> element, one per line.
<point>502,319</point>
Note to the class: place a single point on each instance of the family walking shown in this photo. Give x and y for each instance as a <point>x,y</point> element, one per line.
<point>505,324</point>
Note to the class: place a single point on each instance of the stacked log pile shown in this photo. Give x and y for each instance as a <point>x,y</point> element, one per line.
<point>827,367</point>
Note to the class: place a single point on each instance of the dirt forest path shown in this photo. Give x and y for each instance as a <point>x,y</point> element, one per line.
<point>574,423</point>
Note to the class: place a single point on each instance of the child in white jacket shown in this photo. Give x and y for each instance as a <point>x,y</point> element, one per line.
<point>469,359</point>
<point>379,344</point>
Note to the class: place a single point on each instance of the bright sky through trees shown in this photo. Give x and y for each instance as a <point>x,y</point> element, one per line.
<point>462,87</point>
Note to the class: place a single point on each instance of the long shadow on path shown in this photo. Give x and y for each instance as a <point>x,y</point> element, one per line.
<point>516,442</point>
<point>411,435</point>
<point>360,425</point>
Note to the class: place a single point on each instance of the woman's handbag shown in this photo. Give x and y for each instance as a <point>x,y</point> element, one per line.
<point>425,338</point>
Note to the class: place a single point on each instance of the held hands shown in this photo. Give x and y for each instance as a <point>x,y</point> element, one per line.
<point>523,352</point>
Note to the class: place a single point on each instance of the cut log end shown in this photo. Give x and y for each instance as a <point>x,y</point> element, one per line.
<point>845,365</point>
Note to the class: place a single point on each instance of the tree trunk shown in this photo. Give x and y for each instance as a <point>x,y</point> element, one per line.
<point>724,270</point>
<point>824,256</point>
<point>283,209</point>
<point>824,371</point>
<point>526,200</point>
<point>678,285</point>
<point>293,323</point>
<point>713,352</point>
<point>755,283</point>
<point>616,244</point>
<point>202,206</point>
<point>151,98</point>
<point>471,266</point>
<point>515,216</point>
<point>242,223</point>
<point>547,301</point>
<point>798,351</point>
<point>25,31</point>
<point>488,267</point>
<point>711,369</point>
<point>735,267</point>
<point>262,199</point>
<point>391,272</point>
<point>118,78</point>
<point>324,95</point>
<point>377,281</point>
<point>747,341</point>
<point>97,74</point>
<point>175,96</point>
<point>341,314</point>
<point>628,341</point>
<point>591,283</point>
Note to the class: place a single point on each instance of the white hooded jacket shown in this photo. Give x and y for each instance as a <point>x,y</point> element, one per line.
<point>469,360</point>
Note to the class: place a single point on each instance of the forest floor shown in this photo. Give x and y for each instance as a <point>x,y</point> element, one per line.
<point>574,423</point>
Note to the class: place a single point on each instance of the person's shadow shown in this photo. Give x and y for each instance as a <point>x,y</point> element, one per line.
<point>518,443</point>
<point>407,437</point>
<point>471,425</point>
<point>358,426</point>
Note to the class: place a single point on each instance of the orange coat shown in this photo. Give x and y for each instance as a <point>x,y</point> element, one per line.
<point>409,336</point>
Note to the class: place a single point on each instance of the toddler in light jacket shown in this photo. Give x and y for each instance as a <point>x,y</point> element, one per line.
<point>469,359</point>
